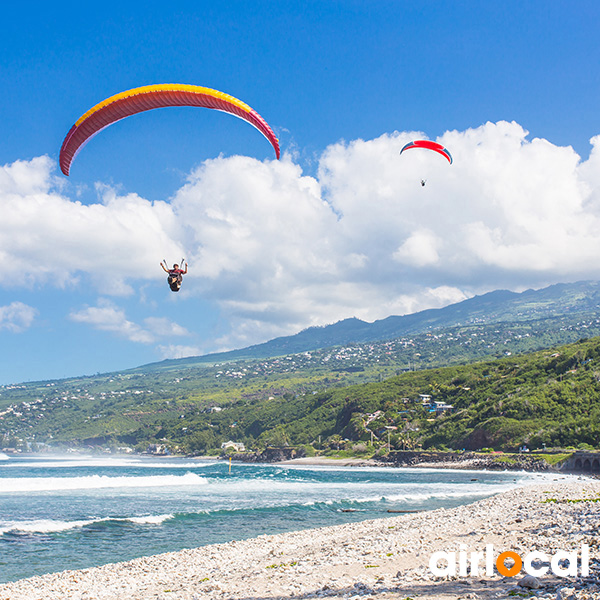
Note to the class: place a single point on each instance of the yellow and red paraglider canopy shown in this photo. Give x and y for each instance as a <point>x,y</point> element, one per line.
<point>149,97</point>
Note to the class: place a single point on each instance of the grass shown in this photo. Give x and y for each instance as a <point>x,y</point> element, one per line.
<point>569,500</point>
<point>292,564</point>
<point>551,459</point>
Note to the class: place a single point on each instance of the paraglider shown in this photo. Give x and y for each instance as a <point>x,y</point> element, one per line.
<point>149,97</point>
<point>175,275</point>
<point>429,146</point>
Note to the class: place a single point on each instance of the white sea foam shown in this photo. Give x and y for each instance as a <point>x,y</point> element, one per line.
<point>56,526</point>
<point>345,488</point>
<point>43,526</point>
<point>151,520</point>
<point>41,463</point>
<point>46,484</point>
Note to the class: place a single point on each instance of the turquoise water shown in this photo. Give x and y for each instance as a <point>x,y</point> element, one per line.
<point>77,512</point>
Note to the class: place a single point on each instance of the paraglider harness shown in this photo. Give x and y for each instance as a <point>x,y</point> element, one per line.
<point>175,277</point>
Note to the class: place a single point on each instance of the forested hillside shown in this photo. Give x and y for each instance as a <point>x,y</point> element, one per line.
<point>321,396</point>
<point>550,397</point>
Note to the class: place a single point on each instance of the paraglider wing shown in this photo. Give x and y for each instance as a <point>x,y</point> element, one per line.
<point>430,146</point>
<point>149,97</point>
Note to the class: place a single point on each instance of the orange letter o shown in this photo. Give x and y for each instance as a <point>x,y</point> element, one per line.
<point>503,570</point>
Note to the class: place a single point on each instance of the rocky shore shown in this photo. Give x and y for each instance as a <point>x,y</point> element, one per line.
<point>408,458</point>
<point>381,559</point>
<point>467,460</point>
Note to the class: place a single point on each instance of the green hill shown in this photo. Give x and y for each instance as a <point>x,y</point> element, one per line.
<point>549,397</point>
<point>193,405</point>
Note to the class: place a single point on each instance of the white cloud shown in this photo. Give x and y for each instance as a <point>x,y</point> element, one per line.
<point>47,237</point>
<point>281,251</point>
<point>108,317</point>
<point>163,327</point>
<point>252,217</point>
<point>420,249</point>
<point>175,351</point>
<point>17,317</point>
<point>277,250</point>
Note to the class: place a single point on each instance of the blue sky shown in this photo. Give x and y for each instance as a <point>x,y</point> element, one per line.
<point>339,227</point>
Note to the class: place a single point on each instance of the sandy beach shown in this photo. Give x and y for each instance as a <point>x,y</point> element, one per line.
<point>381,559</point>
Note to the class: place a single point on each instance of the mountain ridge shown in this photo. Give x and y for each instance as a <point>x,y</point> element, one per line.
<point>495,306</point>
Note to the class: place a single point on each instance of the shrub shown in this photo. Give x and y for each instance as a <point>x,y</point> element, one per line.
<point>360,448</point>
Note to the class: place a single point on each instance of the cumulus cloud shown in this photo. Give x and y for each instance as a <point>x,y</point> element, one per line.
<point>107,316</point>
<point>16,317</point>
<point>49,238</point>
<point>281,250</point>
<point>177,351</point>
<point>512,207</point>
<point>420,249</point>
<point>163,327</point>
<point>277,250</point>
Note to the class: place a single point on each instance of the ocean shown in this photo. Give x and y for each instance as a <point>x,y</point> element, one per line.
<point>74,512</point>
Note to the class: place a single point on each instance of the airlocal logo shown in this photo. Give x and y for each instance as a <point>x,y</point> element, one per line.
<point>562,564</point>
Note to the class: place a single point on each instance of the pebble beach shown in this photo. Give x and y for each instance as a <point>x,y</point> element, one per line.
<point>381,559</point>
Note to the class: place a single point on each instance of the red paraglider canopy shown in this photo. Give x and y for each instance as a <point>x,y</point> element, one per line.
<point>429,146</point>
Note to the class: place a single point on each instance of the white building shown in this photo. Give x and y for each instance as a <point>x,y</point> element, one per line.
<point>237,446</point>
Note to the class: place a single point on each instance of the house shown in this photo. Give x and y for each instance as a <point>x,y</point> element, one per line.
<point>373,416</point>
<point>441,407</point>
<point>159,449</point>
<point>237,446</point>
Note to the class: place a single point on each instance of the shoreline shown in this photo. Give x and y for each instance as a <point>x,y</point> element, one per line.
<point>398,459</point>
<point>466,465</point>
<point>325,461</point>
<point>421,460</point>
<point>381,559</point>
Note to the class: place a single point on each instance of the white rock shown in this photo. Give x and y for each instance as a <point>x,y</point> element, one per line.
<point>530,582</point>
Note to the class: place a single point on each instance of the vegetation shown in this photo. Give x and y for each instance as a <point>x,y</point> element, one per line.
<point>474,375</point>
<point>546,399</point>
